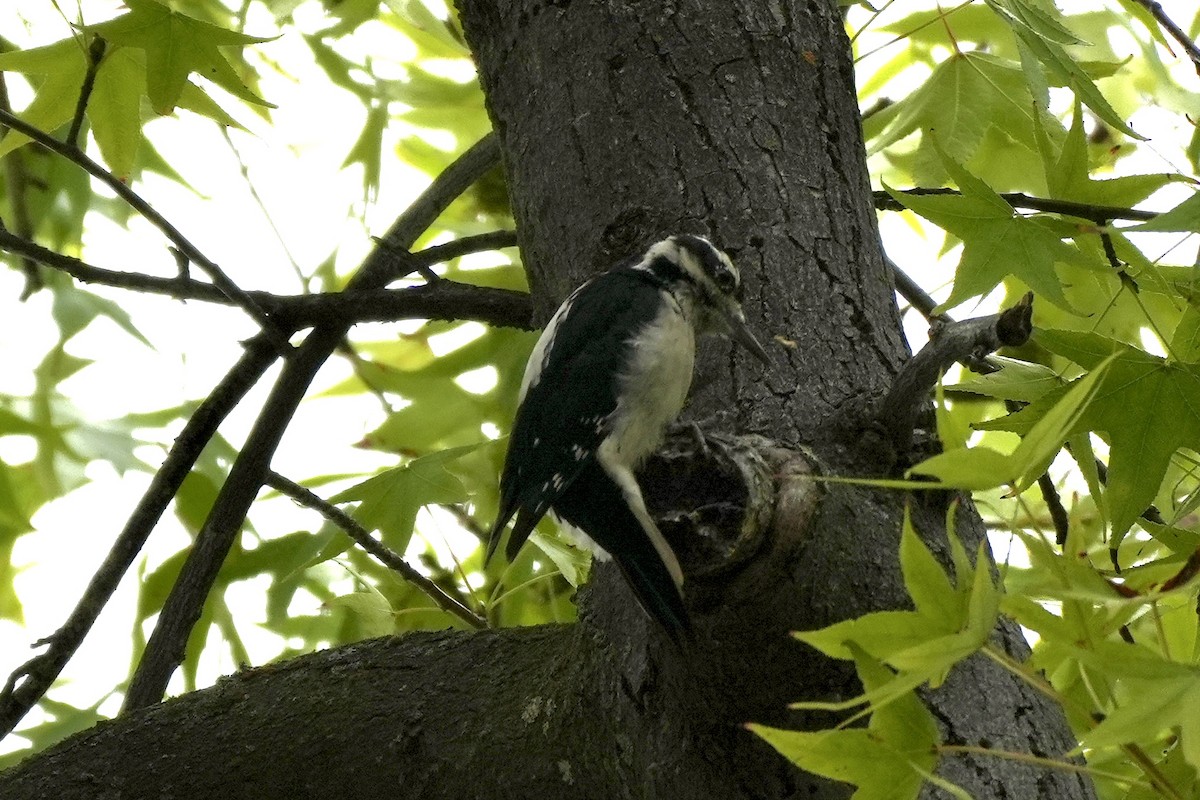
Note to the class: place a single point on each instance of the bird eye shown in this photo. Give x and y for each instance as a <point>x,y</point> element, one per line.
<point>726,282</point>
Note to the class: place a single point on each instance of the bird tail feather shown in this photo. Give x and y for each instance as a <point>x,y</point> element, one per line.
<point>596,505</point>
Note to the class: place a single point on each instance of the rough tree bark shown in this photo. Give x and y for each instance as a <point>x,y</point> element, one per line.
<point>622,121</point>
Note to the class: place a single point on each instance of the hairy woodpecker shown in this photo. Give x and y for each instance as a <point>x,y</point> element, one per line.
<point>611,370</point>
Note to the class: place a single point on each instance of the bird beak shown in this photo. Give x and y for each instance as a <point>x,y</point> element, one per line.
<point>742,335</point>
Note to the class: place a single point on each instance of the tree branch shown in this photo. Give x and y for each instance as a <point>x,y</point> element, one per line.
<point>95,55</point>
<point>479,243</point>
<point>386,556</point>
<point>949,342</point>
<point>909,289</point>
<point>442,300</point>
<point>26,686</point>
<point>1058,513</point>
<point>1099,214</point>
<point>135,201</point>
<point>165,649</point>
<point>1189,46</point>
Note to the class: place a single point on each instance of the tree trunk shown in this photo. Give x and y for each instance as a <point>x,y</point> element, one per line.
<point>621,122</point>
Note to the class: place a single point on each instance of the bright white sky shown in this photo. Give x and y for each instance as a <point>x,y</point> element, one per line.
<point>304,189</point>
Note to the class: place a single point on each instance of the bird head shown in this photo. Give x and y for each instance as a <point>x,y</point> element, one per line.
<point>717,287</point>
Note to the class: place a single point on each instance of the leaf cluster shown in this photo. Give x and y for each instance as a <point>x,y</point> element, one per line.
<point>1098,411</point>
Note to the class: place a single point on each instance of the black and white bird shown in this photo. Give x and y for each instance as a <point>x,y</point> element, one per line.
<point>610,372</point>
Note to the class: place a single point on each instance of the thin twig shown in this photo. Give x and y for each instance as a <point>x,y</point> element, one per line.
<point>95,56</point>
<point>386,556</point>
<point>27,685</point>
<point>1098,214</point>
<point>1058,514</point>
<point>467,522</point>
<point>165,649</point>
<point>1172,28</point>
<point>135,201</point>
<point>479,243</point>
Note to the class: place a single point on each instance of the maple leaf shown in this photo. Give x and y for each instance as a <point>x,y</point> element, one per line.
<point>1067,171</point>
<point>63,66</point>
<point>177,45</point>
<point>997,242</point>
<point>1147,407</point>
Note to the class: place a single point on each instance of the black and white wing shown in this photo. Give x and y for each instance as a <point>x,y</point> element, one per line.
<point>569,396</point>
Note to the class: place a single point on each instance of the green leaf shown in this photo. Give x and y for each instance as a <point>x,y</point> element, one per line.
<point>970,468</point>
<point>10,602</point>
<point>572,562</point>
<point>1183,217</point>
<point>114,109</point>
<point>890,759</point>
<point>436,38</point>
<point>339,69</point>
<point>850,756</point>
<point>924,577</point>
<point>1160,695</point>
<point>1044,37</point>
<point>1080,447</point>
<point>1185,342</point>
<point>979,468</point>
<point>14,514</point>
<point>367,150</point>
<point>1015,380</point>
<point>1039,447</point>
<point>996,241</point>
<point>61,721</point>
<point>177,45</point>
<point>1067,174</point>
<point>1019,13</point>
<point>967,95</point>
<point>74,309</point>
<point>1148,408</point>
<point>63,66</point>
<point>882,634</point>
<point>950,623</point>
<point>389,502</point>
<point>371,611</point>
<point>425,426</point>
<point>953,429</point>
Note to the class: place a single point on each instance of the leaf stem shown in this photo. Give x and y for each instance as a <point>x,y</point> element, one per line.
<point>95,56</point>
<point>1101,215</point>
<point>1159,781</point>
<point>383,553</point>
<point>1156,10</point>
<point>1029,758</point>
<point>1034,680</point>
<point>523,585</point>
<point>901,37</point>
<point>1151,771</point>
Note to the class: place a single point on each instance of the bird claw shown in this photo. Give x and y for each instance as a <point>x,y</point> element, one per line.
<point>704,443</point>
